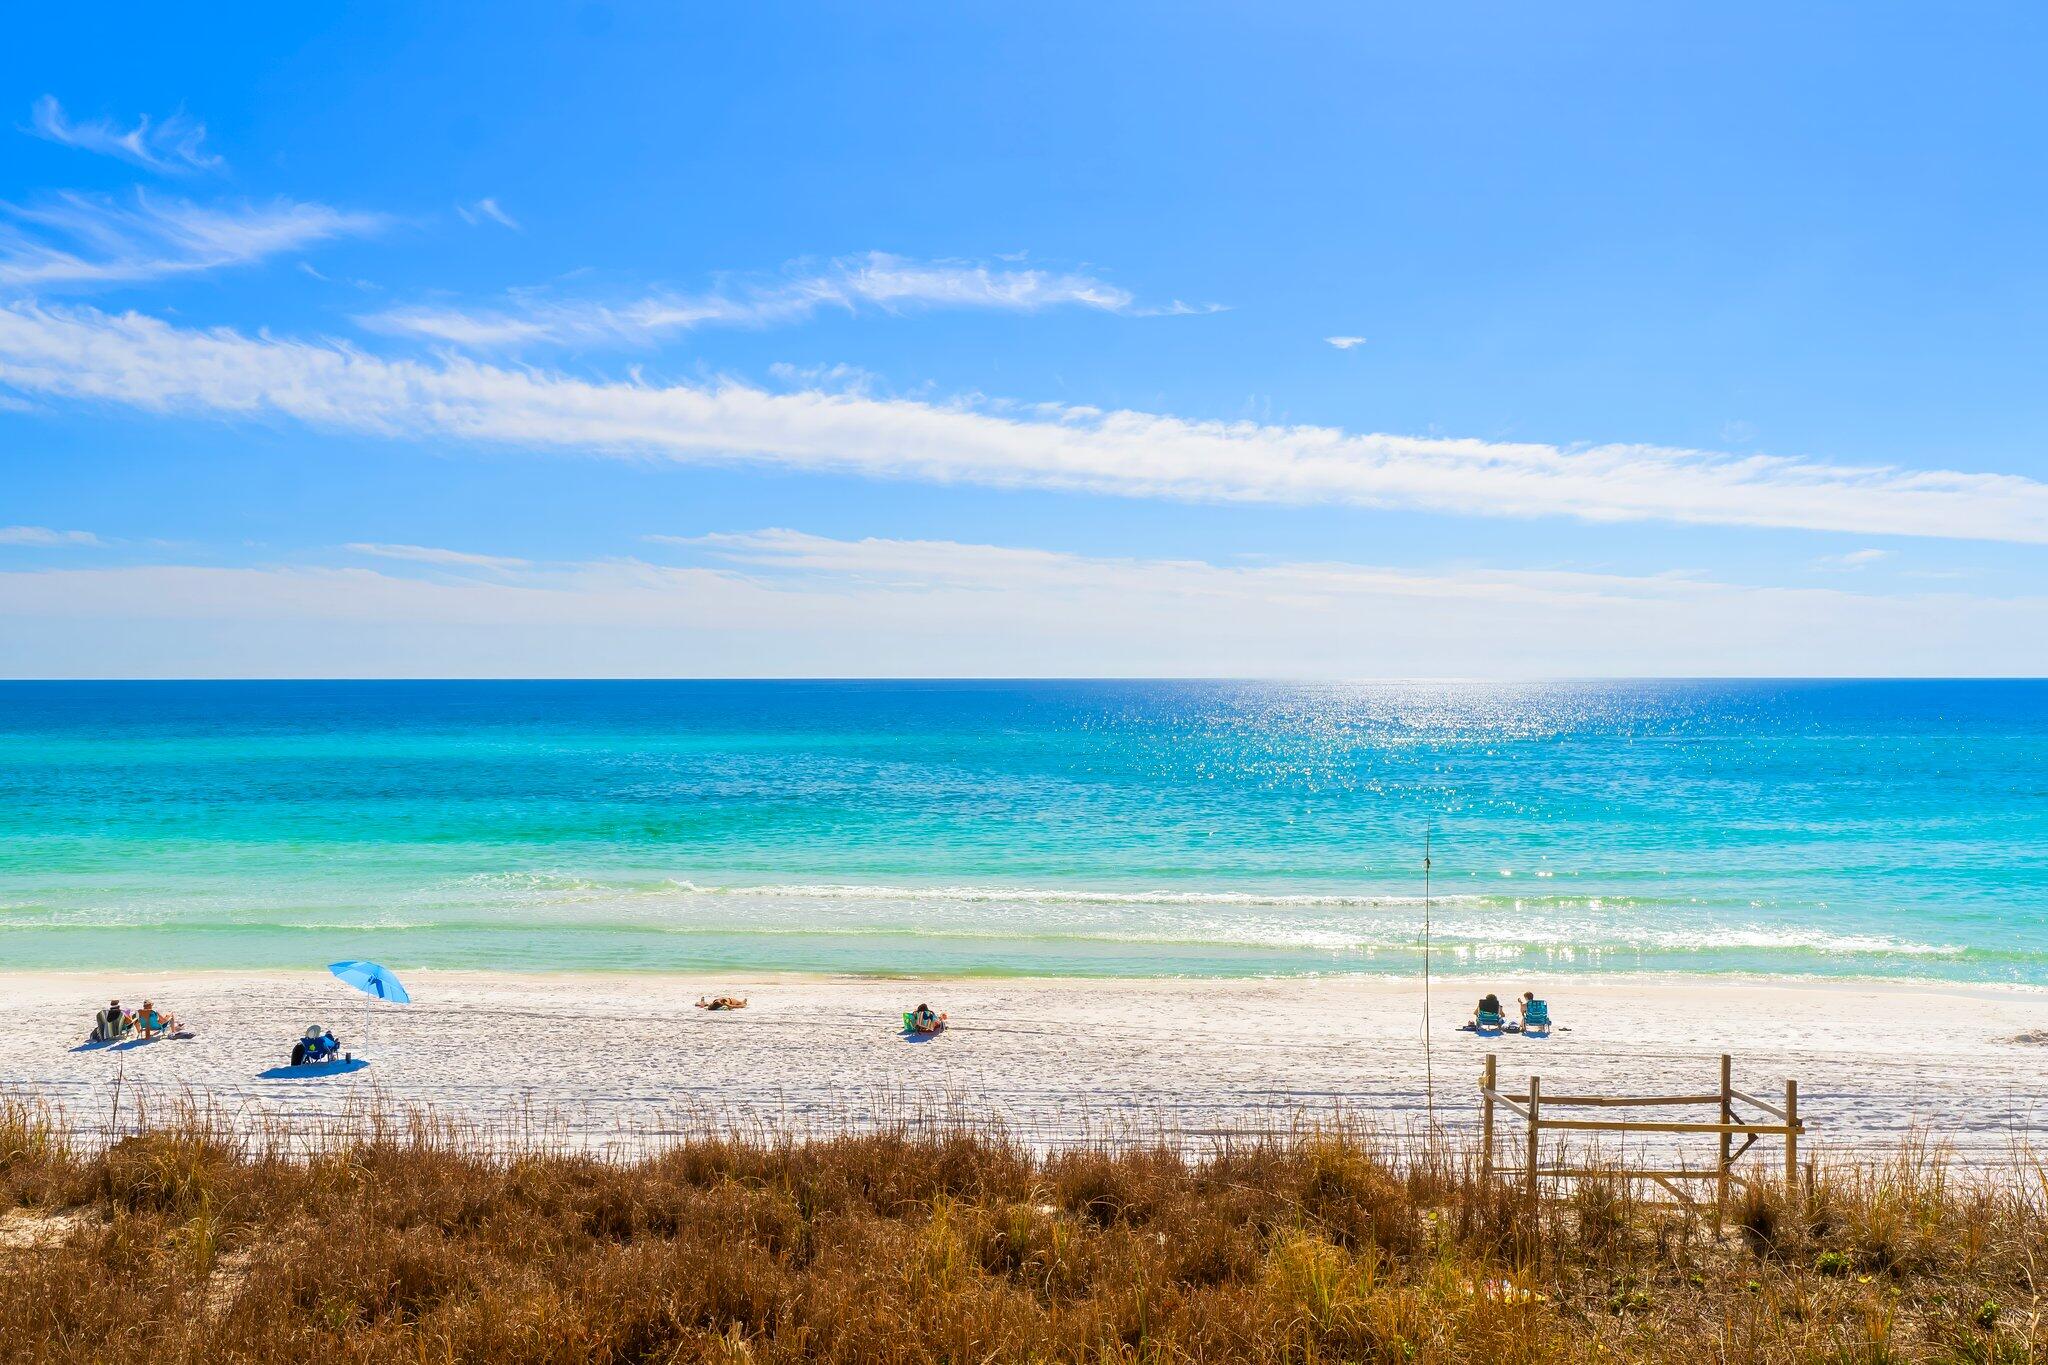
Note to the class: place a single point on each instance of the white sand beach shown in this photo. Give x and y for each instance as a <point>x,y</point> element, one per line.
<point>623,1060</point>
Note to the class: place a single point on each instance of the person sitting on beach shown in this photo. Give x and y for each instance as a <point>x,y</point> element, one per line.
<point>1489,1004</point>
<point>318,1045</point>
<point>1535,1013</point>
<point>923,1020</point>
<point>111,1024</point>
<point>150,1024</point>
<point>721,1002</point>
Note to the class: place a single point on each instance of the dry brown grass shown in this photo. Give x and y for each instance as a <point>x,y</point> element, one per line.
<point>190,1241</point>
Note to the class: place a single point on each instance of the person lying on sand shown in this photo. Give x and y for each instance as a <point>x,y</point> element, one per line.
<point>721,1002</point>
<point>924,1021</point>
<point>150,1024</point>
<point>111,1024</point>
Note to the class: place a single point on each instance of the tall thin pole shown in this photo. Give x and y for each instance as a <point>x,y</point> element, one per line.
<point>1428,1059</point>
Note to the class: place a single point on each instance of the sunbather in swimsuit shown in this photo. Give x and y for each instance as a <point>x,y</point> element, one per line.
<point>150,1024</point>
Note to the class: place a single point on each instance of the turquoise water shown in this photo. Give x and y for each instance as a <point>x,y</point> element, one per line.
<point>1896,829</point>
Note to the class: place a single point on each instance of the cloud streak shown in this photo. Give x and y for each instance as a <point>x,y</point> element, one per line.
<point>45,537</point>
<point>173,145</point>
<point>428,554</point>
<point>874,282</point>
<point>145,363</point>
<point>1852,561</point>
<point>781,602</point>
<point>487,210</point>
<point>78,240</point>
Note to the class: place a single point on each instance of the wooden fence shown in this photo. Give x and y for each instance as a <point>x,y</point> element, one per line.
<point>1535,1110</point>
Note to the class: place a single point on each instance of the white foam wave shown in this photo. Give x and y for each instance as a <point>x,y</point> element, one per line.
<point>1468,925</point>
<point>1031,895</point>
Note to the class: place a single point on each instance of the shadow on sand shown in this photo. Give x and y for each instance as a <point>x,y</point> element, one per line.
<point>128,1044</point>
<point>313,1070</point>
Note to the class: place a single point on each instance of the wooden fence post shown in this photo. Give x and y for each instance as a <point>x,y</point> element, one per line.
<point>1727,1116</point>
<point>1486,1089</point>
<point>1791,1137</point>
<point>1535,1108</point>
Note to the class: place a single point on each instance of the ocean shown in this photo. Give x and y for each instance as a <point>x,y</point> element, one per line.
<point>1894,829</point>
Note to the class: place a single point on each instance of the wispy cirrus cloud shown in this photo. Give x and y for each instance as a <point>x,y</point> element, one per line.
<point>429,554</point>
<point>146,363</point>
<point>852,284</point>
<point>1853,560</point>
<point>790,603</point>
<point>76,240</point>
<point>173,145</point>
<point>966,567</point>
<point>487,210</point>
<point>1345,343</point>
<point>45,536</point>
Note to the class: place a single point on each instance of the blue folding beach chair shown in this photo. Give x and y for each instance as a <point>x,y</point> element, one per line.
<point>1536,1017</point>
<point>1487,1019</point>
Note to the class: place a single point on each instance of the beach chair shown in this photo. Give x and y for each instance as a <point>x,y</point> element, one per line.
<point>1536,1017</point>
<point>317,1046</point>
<point>1487,1019</point>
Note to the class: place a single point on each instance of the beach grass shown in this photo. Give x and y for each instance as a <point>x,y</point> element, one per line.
<point>397,1237</point>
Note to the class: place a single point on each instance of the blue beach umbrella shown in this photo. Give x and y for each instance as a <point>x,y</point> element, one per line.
<point>372,978</point>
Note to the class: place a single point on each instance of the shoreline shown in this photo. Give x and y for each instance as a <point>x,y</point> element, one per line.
<point>1446,985</point>
<point>619,1058</point>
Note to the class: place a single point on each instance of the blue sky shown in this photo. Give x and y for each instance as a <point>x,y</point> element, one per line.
<point>907,339</point>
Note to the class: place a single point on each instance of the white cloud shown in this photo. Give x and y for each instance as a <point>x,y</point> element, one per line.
<point>43,535</point>
<point>1345,343</point>
<point>487,210</point>
<point>145,363</point>
<point>1855,559</point>
<point>877,281</point>
<point>76,239</point>
<point>783,602</point>
<point>475,331</point>
<point>427,554</point>
<point>173,145</point>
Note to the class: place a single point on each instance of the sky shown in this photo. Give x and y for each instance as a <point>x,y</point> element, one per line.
<point>1473,340</point>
